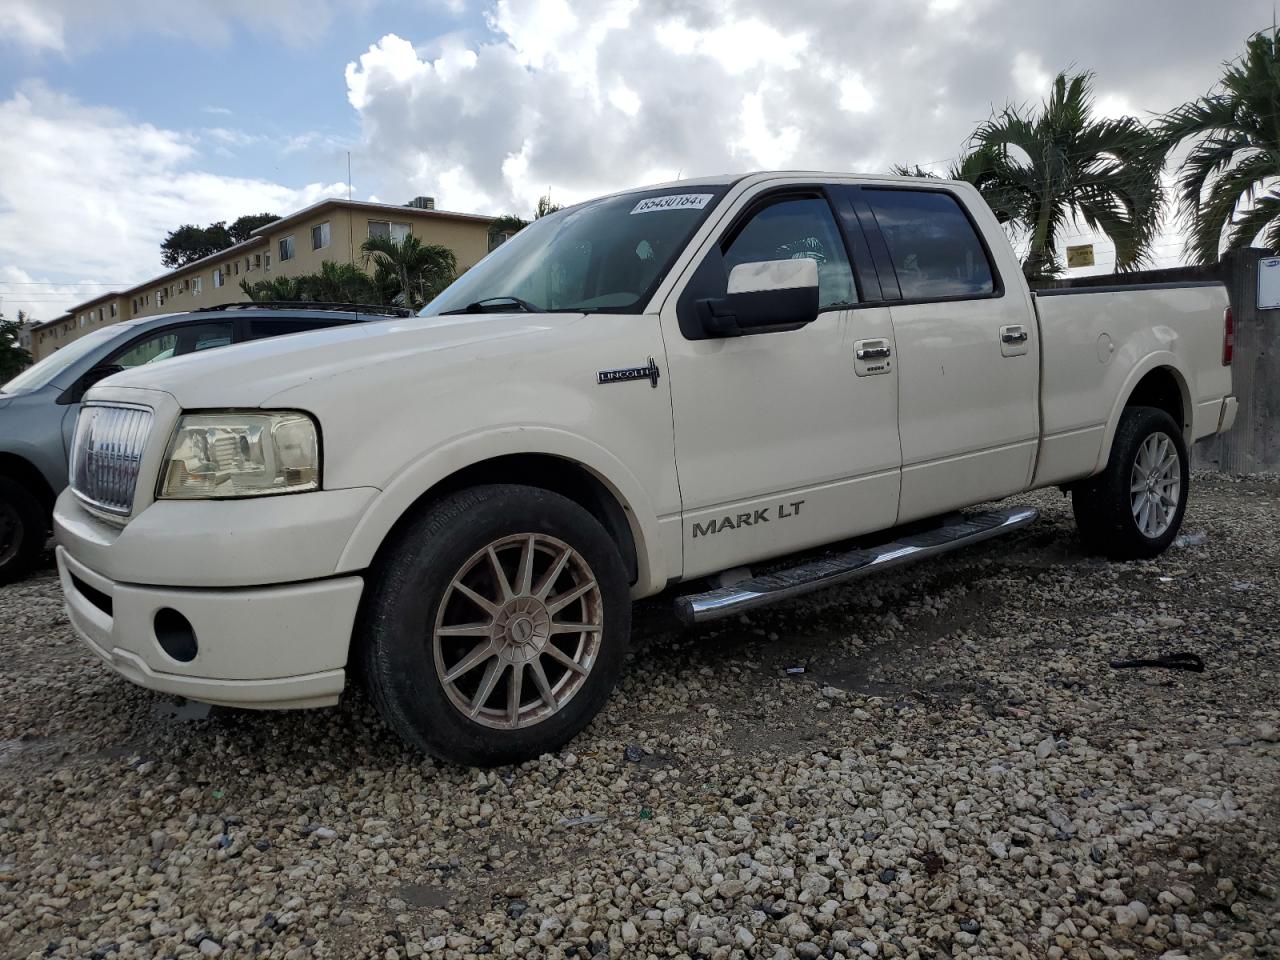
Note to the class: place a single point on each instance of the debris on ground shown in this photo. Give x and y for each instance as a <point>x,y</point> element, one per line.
<point>959,773</point>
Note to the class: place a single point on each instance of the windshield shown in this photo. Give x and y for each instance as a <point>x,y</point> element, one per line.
<point>603,256</point>
<point>47,370</point>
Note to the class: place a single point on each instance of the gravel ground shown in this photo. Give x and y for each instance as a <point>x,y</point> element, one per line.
<point>957,772</point>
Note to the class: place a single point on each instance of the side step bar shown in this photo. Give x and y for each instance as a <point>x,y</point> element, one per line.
<point>850,565</point>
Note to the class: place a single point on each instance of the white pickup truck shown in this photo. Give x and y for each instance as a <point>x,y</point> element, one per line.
<point>634,394</point>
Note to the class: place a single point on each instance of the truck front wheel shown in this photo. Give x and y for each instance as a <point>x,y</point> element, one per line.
<point>1133,509</point>
<point>496,625</point>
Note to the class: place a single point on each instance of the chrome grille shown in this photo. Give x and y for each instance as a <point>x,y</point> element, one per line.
<point>107,453</point>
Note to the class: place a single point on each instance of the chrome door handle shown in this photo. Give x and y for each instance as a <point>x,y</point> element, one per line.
<point>1013,335</point>
<point>873,353</point>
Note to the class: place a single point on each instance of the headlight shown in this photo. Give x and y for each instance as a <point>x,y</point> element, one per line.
<point>218,455</point>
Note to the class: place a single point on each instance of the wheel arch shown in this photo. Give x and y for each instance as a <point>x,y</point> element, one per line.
<point>1158,381</point>
<point>23,471</point>
<point>595,481</point>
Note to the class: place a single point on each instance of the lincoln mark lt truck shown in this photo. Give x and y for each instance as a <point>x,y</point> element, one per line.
<point>632,395</point>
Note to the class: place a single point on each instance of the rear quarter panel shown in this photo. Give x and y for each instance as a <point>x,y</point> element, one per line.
<point>1099,344</point>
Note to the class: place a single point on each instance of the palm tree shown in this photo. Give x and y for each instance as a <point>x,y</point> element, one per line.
<point>545,207</point>
<point>1042,170</point>
<point>420,270</point>
<point>1226,184</point>
<point>277,288</point>
<point>341,283</point>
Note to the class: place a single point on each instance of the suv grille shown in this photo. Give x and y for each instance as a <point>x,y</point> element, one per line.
<point>106,455</point>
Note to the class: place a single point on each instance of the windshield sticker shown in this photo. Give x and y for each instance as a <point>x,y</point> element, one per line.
<point>676,201</point>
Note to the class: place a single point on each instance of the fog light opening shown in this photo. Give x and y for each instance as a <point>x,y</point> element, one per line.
<point>175,635</point>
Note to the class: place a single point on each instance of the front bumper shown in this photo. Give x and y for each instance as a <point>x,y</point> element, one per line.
<point>277,647</point>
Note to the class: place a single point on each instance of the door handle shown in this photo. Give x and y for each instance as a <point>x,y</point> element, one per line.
<point>873,353</point>
<point>1013,335</point>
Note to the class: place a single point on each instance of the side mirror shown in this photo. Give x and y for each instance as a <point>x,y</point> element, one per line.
<point>764,297</point>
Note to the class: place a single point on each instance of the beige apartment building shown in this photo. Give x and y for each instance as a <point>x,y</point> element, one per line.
<point>291,246</point>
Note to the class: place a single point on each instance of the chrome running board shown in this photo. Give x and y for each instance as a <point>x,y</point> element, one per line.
<point>850,565</point>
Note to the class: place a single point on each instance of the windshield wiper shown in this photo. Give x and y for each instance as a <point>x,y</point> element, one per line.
<point>483,306</point>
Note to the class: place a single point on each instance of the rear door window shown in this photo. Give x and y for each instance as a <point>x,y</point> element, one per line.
<point>158,346</point>
<point>261,328</point>
<point>206,336</point>
<point>936,252</point>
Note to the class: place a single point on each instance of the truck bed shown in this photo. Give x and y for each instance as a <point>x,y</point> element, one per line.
<point>1097,343</point>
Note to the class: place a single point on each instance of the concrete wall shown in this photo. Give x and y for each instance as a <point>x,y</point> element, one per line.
<point>1253,444</point>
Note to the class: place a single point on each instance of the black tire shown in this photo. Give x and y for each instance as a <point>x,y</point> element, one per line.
<point>1103,504</point>
<point>23,530</point>
<point>409,594</point>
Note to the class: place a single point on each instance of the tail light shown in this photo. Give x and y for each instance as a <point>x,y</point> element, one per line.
<point>1228,337</point>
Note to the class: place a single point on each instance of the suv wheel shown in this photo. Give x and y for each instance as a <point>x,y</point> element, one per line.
<point>1134,508</point>
<point>22,530</point>
<point>496,625</point>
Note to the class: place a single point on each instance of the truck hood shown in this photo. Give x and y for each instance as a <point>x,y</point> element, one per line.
<point>250,374</point>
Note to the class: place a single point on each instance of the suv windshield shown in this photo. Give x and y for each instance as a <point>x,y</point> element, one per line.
<point>47,370</point>
<point>603,256</point>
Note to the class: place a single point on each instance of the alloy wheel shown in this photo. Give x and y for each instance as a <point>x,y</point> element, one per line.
<point>518,631</point>
<point>1155,486</point>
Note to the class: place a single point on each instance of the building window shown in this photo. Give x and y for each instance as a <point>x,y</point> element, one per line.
<point>383,228</point>
<point>196,284</point>
<point>218,278</point>
<point>320,236</point>
<point>266,260</point>
<point>235,268</point>
<point>257,260</point>
<point>286,248</point>
<point>113,309</point>
<point>160,297</point>
<point>498,239</point>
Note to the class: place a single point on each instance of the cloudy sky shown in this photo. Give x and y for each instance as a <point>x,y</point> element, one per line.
<point>121,120</point>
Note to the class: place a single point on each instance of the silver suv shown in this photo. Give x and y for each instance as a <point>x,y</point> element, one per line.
<point>38,408</point>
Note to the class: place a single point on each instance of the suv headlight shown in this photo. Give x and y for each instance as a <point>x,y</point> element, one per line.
<point>221,455</point>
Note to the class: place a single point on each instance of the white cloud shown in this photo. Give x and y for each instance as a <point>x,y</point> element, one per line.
<point>33,25</point>
<point>89,193</point>
<point>57,25</point>
<point>1030,78</point>
<point>40,297</point>
<point>588,96</point>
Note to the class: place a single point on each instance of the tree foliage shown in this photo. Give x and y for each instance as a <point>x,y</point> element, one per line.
<point>14,358</point>
<point>241,228</point>
<point>414,270</point>
<point>509,224</point>
<point>334,283</point>
<point>189,243</point>
<point>1226,184</point>
<point>1042,169</point>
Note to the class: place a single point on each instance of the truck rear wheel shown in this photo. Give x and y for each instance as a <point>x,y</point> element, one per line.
<point>496,625</point>
<point>1133,509</point>
<point>23,530</point>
